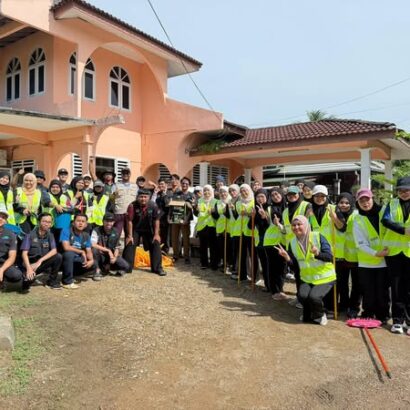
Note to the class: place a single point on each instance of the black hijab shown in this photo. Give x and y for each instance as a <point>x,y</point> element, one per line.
<point>56,182</point>
<point>372,215</point>
<point>4,188</point>
<point>319,210</point>
<point>277,207</point>
<point>350,198</point>
<point>293,206</point>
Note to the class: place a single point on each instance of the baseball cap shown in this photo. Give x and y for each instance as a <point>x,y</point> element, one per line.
<point>320,189</point>
<point>62,171</point>
<point>98,183</point>
<point>403,183</point>
<point>87,177</point>
<point>140,178</point>
<point>109,217</point>
<point>293,189</point>
<point>144,192</point>
<point>126,170</point>
<point>39,174</point>
<point>364,192</point>
<point>4,212</point>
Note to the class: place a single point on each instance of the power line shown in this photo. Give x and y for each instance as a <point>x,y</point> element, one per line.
<point>182,62</point>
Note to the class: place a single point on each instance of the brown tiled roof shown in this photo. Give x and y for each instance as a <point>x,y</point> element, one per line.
<point>309,131</point>
<point>63,4</point>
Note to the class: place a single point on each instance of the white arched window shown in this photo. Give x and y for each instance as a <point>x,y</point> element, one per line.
<point>72,74</point>
<point>13,75</point>
<point>119,88</point>
<point>36,72</point>
<point>89,81</point>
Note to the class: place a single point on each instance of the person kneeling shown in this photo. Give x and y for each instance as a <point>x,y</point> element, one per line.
<point>78,256</point>
<point>39,253</point>
<point>311,255</point>
<point>104,240</point>
<point>8,253</point>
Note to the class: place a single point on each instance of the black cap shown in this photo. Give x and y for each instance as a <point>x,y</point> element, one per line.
<point>140,178</point>
<point>403,183</point>
<point>40,174</point>
<point>126,170</point>
<point>109,172</point>
<point>109,217</point>
<point>144,192</point>
<point>62,171</point>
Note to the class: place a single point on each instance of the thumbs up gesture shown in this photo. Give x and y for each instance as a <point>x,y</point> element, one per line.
<point>314,249</point>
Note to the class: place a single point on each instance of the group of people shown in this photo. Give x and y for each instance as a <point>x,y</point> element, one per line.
<point>355,246</point>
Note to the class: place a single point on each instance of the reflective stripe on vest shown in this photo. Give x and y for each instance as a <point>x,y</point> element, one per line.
<point>98,211</point>
<point>204,217</point>
<point>8,206</point>
<point>34,208</point>
<point>350,252</point>
<point>394,241</point>
<point>301,210</point>
<point>374,241</point>
<point>312,270</point>
<point>326,226</point>
<point>241,223</point>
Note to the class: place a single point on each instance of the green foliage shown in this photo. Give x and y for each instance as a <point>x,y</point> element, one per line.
<point>318,115</point>
<point>210,147</point>
<point>403,134</point>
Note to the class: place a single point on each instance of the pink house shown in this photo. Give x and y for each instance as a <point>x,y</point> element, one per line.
<point>77,82</point>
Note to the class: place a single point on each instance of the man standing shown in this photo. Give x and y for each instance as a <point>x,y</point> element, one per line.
<point>63,176</point>
<point>126,193</point>
<point>105,243</point>
<point>182,225</point>
<point>41,178</point>
<point>39,253</point>
<point>78,256</point>
<point>143,222</point>
<point>219,182</point>
<point>162,201</point>
<point>8,252</point>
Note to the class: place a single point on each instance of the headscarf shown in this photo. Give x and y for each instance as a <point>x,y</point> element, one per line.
<point>372,215</point>
<point>277,207</point>
<point>5,188</point>
<point>33,190</point>
<point>319,210</point>
<point>224,189</point>
<point>55,182</point>
<point>250,197</point>
<point>261,191</point>
<point>234,187</point>
<point>304,240</point>
<point>350,198</point>
<point>293,206</point>
<point>209,187</point>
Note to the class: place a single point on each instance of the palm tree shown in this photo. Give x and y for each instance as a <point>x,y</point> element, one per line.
<point>318,115</point>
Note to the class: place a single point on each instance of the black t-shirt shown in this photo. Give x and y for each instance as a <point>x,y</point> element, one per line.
<point>8,242</point>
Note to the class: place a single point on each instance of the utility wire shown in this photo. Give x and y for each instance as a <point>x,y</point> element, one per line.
<point>182,62</point>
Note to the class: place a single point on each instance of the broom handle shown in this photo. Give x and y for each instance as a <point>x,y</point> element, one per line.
<point>252,251</point>
<point>381,358</point>
<point>225,241</point>
<point>240,252</point>
<point>334,264</point>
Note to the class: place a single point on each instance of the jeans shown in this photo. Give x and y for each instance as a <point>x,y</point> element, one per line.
<point>73,265</point>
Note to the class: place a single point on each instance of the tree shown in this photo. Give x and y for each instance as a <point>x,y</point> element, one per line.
<point>318,115</point>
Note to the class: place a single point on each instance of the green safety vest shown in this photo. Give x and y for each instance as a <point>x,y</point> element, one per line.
<point>273,235</point>
<point>8,206</point>
<point>88,209</point>
<point>23,201</point>
<point>394,241</point>
<point>204,217</point>
<point>301,210</point>
<point>241,224</point>
<point>53,200</point>
<point>350,250</point>
<point>374,240</point>
<point>326,228</point>
<point>312,270</point>
<point>222,221</point>
<point>98,210</point>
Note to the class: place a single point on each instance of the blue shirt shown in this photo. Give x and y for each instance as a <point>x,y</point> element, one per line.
<point>75,240</point>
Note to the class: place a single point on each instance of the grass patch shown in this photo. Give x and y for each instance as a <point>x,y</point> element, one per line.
<point>29,346</point>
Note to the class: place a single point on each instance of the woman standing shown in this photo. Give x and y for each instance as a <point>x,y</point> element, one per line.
<point>373,276</point>
<point>234,230</point>
<point>81,201</point>
<point>101,204</point>
<point>222,227</point>
<point>6,197</point>
<point>206,229</point>
<point>29,201</point>
<point>310,253</point>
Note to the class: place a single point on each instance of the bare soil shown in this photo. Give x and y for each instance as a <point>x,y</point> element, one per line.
<point>196,340</point>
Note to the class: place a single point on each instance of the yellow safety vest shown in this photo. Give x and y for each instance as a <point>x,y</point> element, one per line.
<point>98,210</point>
<point>301,210</point>
<point>273,235</point>
<point>8,206</point>
<point>23,201</point>
<point>394,241</point>
<point>312,270</point>
<point>88,209</point>
<point>241,223</point>
<point>350,250</point>
<point>53,200</point>
<point>222,222</point>
<point>204,217</point>
<point>326,227</point>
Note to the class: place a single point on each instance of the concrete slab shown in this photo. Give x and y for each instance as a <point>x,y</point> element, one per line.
<point>7,335</point>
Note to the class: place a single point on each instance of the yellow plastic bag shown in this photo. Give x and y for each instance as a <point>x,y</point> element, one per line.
<point>142,259</point>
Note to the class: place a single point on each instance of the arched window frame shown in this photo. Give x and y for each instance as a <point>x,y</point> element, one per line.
<point>89,80</point>
<point>119,80</point>
<point>13,80</point>
<point>37,73</point>
<point>72,74</point>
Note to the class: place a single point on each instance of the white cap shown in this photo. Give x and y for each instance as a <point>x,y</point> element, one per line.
<point>320,189</point>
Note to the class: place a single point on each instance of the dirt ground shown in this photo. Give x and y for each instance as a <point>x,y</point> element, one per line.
<point>195,340</point>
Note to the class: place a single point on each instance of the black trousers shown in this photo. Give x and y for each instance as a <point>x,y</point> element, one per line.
<point>263,259</point>
<point>234,254</point>
<point>13,274</point>
<point>103,262</point>
<point>221,249</point>
<point>164,233</point>
<point>246,253</point>
<point>348,298</point>
<point>311,297</point>
<point>153,247</point>
<point>276,270</point>
<point>73,265</point>
<point>399,277</point>
<point>207,240</point>
<point>374,285</point>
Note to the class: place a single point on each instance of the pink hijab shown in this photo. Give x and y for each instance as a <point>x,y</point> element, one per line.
<point>304,239</point>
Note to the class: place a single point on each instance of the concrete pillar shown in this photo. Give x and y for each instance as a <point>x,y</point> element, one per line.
<point>365,172</point>
<point>86,152</point>
<point>203,173</point>
<point>79,86</point>
<point>388,174</point>
<point>248,176</point>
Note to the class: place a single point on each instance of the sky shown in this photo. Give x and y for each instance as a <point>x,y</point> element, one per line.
<point>267,62</point>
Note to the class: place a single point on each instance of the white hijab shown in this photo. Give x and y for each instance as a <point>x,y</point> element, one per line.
<point>209,187</point>
<point>250,194</point>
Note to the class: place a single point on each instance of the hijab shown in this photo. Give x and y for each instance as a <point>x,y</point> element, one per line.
<point>349,197</point>
<point>32,190</point>
<point>293,206</point>
<point>319,210</point>
<point>372,215</point>
<point>55,182</point>
<point>261,191</point>
<point>234,187</point>
<point>277,207</point>
<point>250,197</point>
<point>209,187</point>
<point>224,189</point>
<point>5,188</point>
<point>304,240</point>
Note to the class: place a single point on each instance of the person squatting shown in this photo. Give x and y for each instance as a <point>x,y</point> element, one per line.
<point>355,247</point>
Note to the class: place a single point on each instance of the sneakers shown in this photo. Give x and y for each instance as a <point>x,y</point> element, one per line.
<point>260,282</point>
<point>120,273</point>
<point>280,296</point>
<point>322,321</point>
<point>295,302</point>
<point>234,276</point>
<point>162,273</point>
<point>70,286</point>
<point>397,328</point>
<point>204,267</point>
<point>52,286</point>
<point>290,276</point>
<point>97,276</point>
